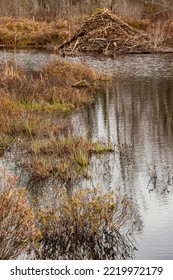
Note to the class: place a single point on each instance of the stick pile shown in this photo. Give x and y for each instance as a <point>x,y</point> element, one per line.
<point>107,34</point>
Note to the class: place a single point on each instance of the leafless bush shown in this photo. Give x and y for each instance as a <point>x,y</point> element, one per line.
<point>86,225</point>
<point>50,9</point>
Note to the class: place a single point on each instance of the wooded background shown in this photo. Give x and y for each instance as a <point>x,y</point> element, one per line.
<point>51,9</point>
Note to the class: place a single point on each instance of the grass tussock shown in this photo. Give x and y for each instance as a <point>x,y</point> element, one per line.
<point>22,32</point>
<point>35,112</point>
<point>67,157</point>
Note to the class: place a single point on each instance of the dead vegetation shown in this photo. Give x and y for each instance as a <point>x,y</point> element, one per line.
<point>22,32</point>
<point>35,117</point>
<point>18,231</point>
<point>106,33</point>
<point>87,224</point>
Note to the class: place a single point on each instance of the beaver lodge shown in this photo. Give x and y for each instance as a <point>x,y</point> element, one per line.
<point>106,33</point>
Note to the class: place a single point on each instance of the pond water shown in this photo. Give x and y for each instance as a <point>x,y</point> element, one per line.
<point>32,60</point>
<point>136,114</point>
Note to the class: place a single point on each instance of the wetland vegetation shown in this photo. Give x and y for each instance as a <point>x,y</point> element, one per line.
<point>47,24</point>
<point>84,225</point>
<point>36,127</point>
<point>35,117</point>
<point>26,33</point>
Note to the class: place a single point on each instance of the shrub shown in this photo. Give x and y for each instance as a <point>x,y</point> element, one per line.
<point>86,225</point>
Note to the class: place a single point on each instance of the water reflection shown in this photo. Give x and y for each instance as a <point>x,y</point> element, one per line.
<point>136,114</point>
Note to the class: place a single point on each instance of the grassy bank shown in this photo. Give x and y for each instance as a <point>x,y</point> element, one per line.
<point>35,115</point>
<point>25,33</point>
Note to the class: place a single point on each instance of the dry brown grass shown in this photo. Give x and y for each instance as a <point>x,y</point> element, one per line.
<point>35,115</point>
<point>18,232</point>
<point>22,32</point>
<point>158,35</point>
<point>142,24</point>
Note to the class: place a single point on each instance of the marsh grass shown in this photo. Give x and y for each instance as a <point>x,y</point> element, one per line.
<point>22,32</point>
<point>35,116</point>
<point>66,157</point>
<point>48,25</point>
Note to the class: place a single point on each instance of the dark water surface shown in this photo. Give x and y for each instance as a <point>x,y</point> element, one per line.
<point>136,114</point>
